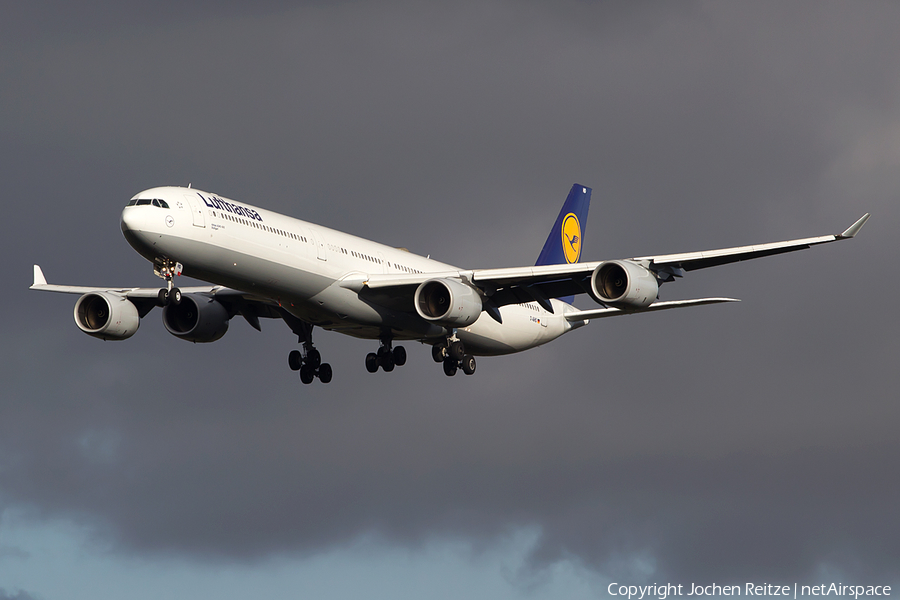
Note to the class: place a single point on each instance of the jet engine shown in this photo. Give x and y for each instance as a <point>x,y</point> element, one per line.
<point>196,319</point>
<point>106,316</point>
<point>624,284</point>
<point>448,302</point>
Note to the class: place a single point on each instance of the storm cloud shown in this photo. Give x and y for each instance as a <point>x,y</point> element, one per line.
<point>728,442</point>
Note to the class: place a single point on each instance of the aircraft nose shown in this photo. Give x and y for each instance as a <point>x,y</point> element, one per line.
<point>136,219</point>
<point>128,220</point>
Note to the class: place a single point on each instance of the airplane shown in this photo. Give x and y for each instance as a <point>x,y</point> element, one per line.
<point>262,264</point>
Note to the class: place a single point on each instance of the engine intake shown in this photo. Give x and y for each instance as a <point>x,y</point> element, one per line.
<point>448,302</point>
<point>624,284</point>
<point>106,316</point>
<point>196,319</point>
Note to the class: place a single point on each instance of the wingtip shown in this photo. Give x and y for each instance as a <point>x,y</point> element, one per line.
<point>39,278</point>
<point>854,229</point>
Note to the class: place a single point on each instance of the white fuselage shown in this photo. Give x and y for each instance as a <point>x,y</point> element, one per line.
<point>305,268</point>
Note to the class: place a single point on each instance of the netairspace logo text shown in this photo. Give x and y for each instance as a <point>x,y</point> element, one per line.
<point>663,591</point>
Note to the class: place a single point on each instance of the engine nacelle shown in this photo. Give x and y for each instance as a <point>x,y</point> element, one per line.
<point>107,316</point>
<point>624,284</point>
<point>196,319</point>
<point>448,302</point>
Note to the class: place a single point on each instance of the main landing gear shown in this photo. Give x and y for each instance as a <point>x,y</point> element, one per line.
<point>309,363</point>
<point>167,270</point>
<point>386,357</point>
<point>452,353</point>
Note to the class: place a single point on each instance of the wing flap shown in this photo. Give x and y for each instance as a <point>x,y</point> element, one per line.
<point>518,294</point>
<point>481,277</point>
<point>403,279</point>
<point>535,274</point>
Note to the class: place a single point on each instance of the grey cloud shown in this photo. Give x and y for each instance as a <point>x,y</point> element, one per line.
<point>18,595</point>
<point>13,552</point>
<point>754,440</point>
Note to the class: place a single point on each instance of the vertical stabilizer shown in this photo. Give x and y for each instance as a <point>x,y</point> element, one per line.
<point>563,245</point>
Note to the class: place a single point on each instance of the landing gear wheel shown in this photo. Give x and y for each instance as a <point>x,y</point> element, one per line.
<point>457,350</point>
<point>174,296</point>
<point>295,361</point>
<point>399,356</point>
<point>371,362</point>
<point>308,360</point>
<point>450,367</point>
<point>307,374</point>
<point>387,362</point>
<point>162,298</point>
<point>437,352</point>
<point>468,364</point>
<point>313,358</point>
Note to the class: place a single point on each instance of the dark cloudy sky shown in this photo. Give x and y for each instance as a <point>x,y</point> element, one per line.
<point>745,442</point>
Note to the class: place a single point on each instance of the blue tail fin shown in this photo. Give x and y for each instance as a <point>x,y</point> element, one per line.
<point>564,243</point>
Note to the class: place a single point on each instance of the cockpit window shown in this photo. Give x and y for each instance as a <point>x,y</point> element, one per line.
<point>147,201</point>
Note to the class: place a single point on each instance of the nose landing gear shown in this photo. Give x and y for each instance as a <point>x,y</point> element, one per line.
<point>167,269</point>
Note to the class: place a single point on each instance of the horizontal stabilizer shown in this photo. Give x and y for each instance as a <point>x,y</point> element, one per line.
<point>598,313</point>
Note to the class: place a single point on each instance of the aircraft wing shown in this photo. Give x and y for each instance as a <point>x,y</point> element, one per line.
<point>249,306</point>
<point>691,261</point>
<point>133,293</point>
<point>538,283</point>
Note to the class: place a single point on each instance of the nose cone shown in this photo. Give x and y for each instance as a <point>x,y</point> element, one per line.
<point>128,220</point>
<point>135,229</point>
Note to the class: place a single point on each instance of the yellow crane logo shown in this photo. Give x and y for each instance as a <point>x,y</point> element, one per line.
<point>571,238</point>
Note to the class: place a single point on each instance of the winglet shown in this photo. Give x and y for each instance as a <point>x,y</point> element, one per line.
<point>39,278</point>
<point>854,229</point>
